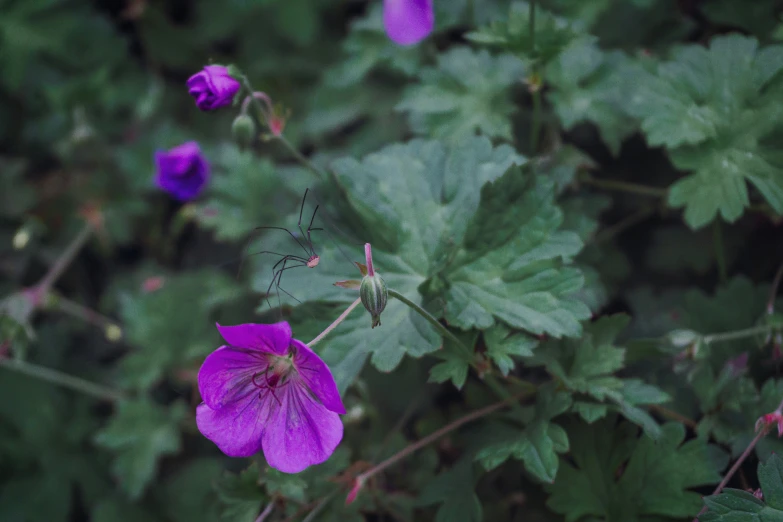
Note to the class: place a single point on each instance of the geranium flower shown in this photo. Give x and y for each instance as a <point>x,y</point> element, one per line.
<point>182,171</point>
<point>267,391</point>
<point>213,87</point>
<point>408,22</point>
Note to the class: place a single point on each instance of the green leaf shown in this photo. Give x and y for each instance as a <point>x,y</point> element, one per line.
<point>512,33</point>
<point>654,482</point>
<point>715,110</point>
<point>589,85</point>
<point>588,366</point>
<point>466,92</point>
<point>239,198</point>
<point>439,239</point>
<point>241,495</point>
<point>502,344</point>
<point>454,489</point>
<point>171,327</point>
<point>538,445</point>
<point>140,433</point>
<point>733,505</point>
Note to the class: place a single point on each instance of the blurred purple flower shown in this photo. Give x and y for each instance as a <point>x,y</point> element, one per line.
<point>213,87</point>
<point>182,171</point>
<point>408,22</point>
<point>266,390</point>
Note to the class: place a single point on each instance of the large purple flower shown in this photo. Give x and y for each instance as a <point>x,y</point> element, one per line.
<point>182,171</point>
<point>212,88</point>
<point>408,22</point>
<point>266,390</point>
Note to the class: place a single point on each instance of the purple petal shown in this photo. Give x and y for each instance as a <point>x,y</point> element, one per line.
<point>317,376</point>
<point>300,431</point>
<point>269,338</point>
<point>227,375</point>
<point>408,22</point>
<point>236,429</point>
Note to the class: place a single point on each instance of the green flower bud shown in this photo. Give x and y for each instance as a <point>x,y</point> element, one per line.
<point>373,290</point>
<point>374,296</point>
<point>243,130</point>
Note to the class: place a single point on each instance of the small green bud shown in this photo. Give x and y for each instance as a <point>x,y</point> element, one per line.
<point>374,296</point>
<point>243,130</point>
<point>373,290</point>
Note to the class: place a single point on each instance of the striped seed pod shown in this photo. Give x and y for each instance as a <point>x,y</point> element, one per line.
<point>374,296</point>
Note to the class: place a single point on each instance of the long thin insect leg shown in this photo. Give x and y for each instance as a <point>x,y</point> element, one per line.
<point>310,229</point>
<point>301,209</point>
<point>245,256</point>
<point>289,233</point>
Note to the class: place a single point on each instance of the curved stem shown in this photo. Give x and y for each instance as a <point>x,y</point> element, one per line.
<point>62,379</point>
<point>430,319</point>
<point>773,291</point>
<point>266,512</point>
<point>301,158</point>
<point>624,186</point>
<point>432,437</point>
<point>65,259</point>
<point>738,334</point>
<point>336,322</point>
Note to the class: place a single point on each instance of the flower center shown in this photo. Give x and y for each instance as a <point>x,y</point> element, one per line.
<point>275,375</point>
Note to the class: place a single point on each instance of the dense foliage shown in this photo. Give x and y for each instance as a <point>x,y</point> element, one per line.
<point>586,195</point>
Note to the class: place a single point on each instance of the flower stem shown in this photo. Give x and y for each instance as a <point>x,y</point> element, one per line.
<point>335,323</point>
<point>623,186</point>
<point>266,512</point>
<point>737,334</point>
<point>536,90</point>
<point>760,435</point>
<point>773,291</point>
<point>432,437</point>
<point>301,158</point>
<point>79,311</point>
<point>64,261</point>
<point>430,319</point>
<point>624,224</point>
<point>62,379</point>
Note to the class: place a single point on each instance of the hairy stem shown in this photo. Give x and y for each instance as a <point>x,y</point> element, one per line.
<point>65,260</point>
<point>624,224</point>
<point>62,379</point>
<point>79,311</point>
<point>773,291</point>
<point>435,435</point>
<point>266,512</point>
<point>623,186</point>
<point>535,124</point>
<point>737,334</point>
<point>760,435</point>
<point>430,319</point>
<point>336,322</point>
<point>301,158</point>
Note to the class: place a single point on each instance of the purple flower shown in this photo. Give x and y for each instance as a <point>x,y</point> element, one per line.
<point>212,88</point>
<point>183,171</point>
<point>408,22</point>
<point>266,390</point>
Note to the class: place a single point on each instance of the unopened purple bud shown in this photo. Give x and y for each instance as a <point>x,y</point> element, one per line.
<point>213,87</point>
